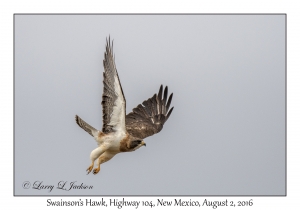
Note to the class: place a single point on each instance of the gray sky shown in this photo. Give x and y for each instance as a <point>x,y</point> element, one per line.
<point>226,135</point>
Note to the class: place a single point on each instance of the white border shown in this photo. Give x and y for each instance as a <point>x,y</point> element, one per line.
<point>8,8</point>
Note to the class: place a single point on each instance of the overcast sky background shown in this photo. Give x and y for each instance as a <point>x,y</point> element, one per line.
<point>226,135</point>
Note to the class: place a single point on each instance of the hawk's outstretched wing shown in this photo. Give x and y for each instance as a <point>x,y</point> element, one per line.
<point>113,100</point>
<point>149,117</point>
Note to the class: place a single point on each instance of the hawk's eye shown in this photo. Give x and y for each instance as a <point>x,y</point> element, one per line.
<point>138,141</point>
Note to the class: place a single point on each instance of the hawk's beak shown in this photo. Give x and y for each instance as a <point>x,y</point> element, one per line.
<point>143,143</point>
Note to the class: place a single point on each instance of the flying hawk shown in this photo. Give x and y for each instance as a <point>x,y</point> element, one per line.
<point>121,132</point>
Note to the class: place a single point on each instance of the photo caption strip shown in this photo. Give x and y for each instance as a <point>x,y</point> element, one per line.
<point>122,203</point>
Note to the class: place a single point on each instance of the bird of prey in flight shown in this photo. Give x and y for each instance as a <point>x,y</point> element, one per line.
<point>121,132</point>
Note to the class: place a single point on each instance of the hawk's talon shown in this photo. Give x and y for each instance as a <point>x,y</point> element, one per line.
<point>89,169</point>
<point>96,171</point>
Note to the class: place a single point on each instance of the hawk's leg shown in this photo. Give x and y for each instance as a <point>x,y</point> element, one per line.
<point>96,170</point>
<point>106,156</point>
<point>89,169</point>
<point>94,155</point>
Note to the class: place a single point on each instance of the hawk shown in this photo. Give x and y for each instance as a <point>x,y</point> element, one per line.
<point>121,132</point>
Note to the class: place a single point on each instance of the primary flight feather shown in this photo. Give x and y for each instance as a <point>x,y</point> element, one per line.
<point>121,132</point>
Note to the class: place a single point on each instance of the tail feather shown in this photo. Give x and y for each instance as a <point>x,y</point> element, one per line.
<point>85,126</point>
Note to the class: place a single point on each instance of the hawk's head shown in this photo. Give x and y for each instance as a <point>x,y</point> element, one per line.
<point>135,144</point>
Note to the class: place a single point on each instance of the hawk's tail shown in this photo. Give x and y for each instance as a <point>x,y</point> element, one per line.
<point>85,126</point>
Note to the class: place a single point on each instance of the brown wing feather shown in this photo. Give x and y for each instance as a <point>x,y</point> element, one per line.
<point>149,117</point>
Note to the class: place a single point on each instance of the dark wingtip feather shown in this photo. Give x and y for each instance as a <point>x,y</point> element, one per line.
<point>165,95</point>
<point>154,104</point>
<point>169,101</point>
<point>169,113</point>
<point>160,92</point>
